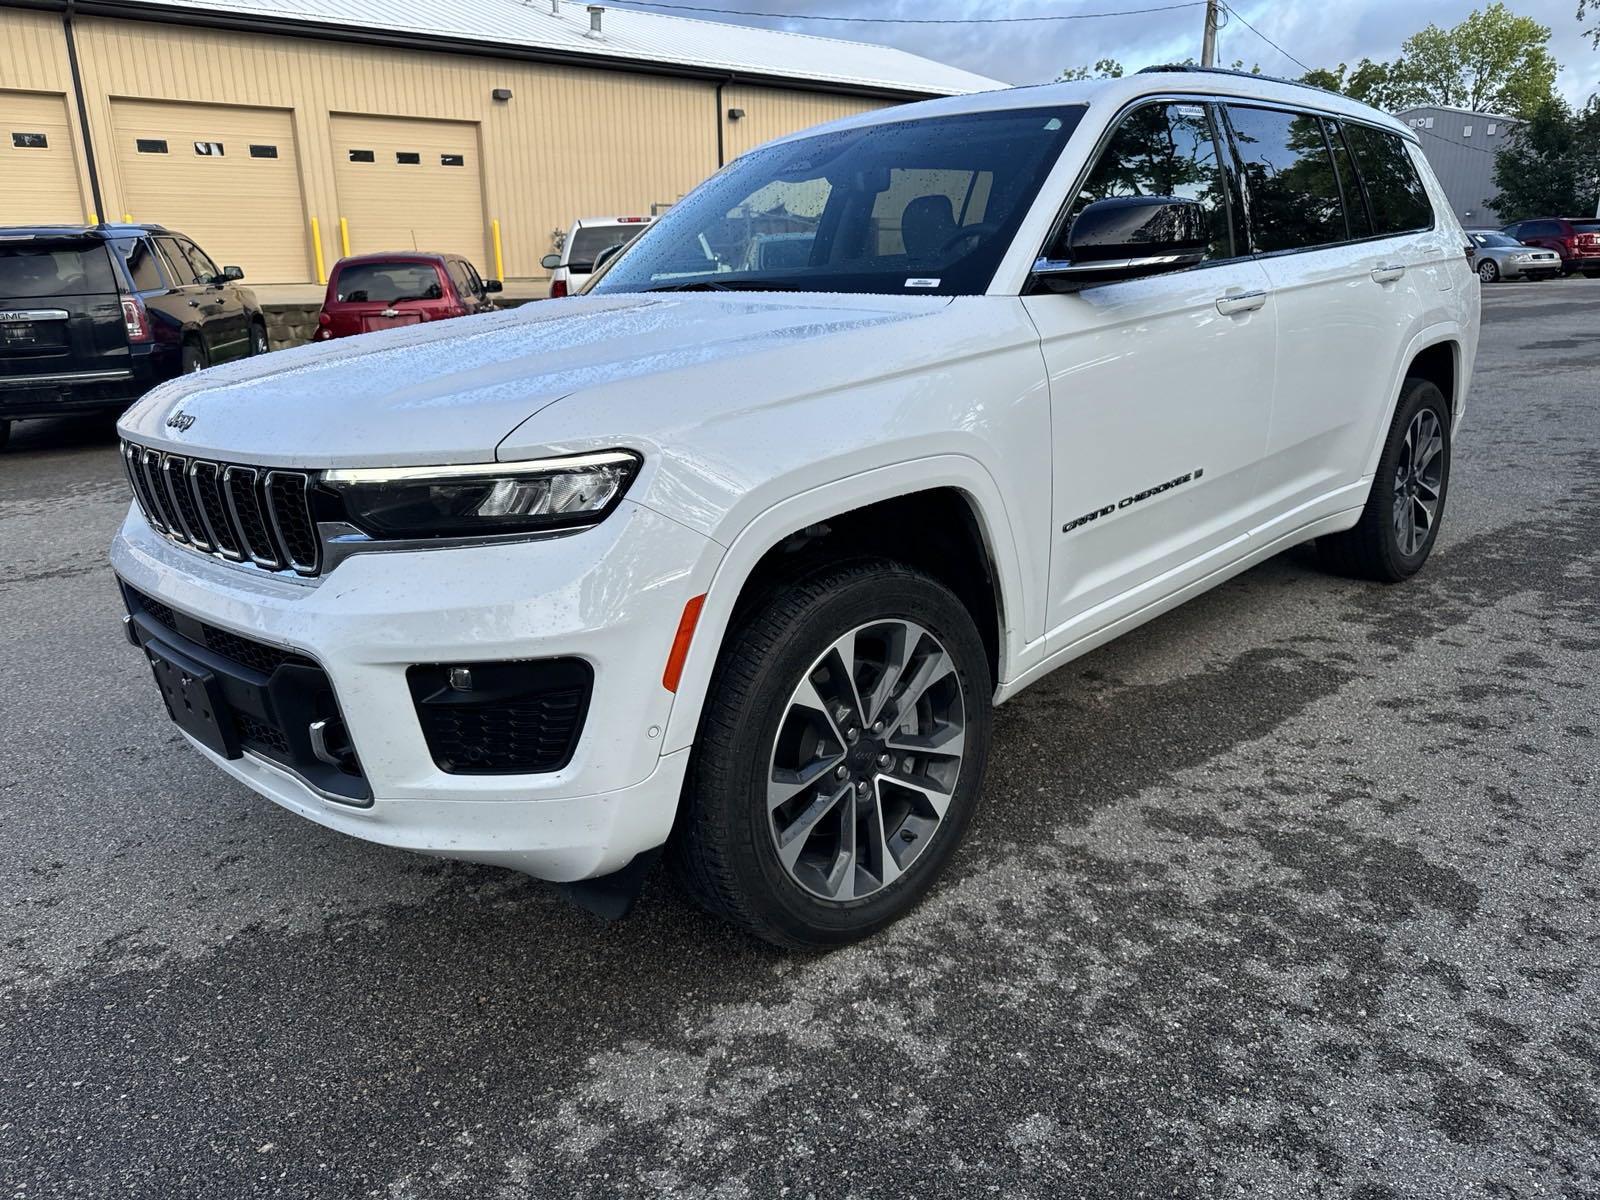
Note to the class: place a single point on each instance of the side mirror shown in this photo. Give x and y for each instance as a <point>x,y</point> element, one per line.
<point>232,274</point>
<point>493,285</point>
<point>550,262</point>
<point>1128,237</point>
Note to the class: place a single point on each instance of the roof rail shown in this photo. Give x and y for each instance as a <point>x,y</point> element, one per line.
<point>1177,68</point>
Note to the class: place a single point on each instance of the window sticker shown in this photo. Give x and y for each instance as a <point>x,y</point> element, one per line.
<point>922,283</point>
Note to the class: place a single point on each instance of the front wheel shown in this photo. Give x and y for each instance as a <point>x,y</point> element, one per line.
<point>1488,271</point>
<point>194,357</point>
<point>840,755</point>
<point>1401,520</point>
<point>258,338</point>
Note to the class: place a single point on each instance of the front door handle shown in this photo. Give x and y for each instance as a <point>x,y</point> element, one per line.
<point>1388,274</point>
<point>1235,301</point>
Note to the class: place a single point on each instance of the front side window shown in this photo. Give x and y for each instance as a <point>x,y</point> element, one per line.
<point>1163,150</point>
<point>1291,188</point>
<point>1399,199</point>
<point>179,269</point>
<point>920,206</point>
<point>203,266</point>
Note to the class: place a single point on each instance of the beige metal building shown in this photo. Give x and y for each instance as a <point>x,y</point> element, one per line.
<point>279,133</point>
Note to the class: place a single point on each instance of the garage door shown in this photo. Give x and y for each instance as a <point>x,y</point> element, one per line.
<point>226,176</point>
<point>37,165</point>
<point>406,184</point>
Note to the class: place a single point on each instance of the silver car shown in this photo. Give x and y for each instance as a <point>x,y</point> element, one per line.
<point>1496,255</point>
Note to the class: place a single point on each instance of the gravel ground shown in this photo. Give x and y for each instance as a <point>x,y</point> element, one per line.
<point>1292,892</point>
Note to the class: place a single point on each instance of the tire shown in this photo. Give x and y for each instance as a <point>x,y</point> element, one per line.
<point>761,732</point>
<point>1381,545</point>
<point>194,357</point>
<point>1488,270</point>
<point>258,339</point>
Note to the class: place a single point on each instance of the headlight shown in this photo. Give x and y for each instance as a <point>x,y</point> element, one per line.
<point>490,498</point>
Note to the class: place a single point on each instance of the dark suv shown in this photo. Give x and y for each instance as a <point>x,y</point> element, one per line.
<point>1576,239</point>
<point>92,317</point>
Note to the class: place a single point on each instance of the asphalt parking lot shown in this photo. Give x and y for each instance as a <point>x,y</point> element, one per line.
<point>1290,893</point>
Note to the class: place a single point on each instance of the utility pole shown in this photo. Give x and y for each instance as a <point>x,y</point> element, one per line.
<point>1208,48</point>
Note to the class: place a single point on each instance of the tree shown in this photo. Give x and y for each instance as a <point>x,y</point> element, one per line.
<point>1551,163</point>
<point>1583,9</point>
<point>1105,68</point>
<point>1494,60</point>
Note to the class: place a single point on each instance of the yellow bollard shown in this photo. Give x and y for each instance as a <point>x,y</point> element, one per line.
<point>316,246</point>
<point>499,257</point>
<point>94,218</point>
<point>127,218</point>
<point>344,237</point>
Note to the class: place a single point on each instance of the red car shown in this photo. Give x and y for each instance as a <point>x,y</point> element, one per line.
<point>1576,239</point>
<point>380,291</point>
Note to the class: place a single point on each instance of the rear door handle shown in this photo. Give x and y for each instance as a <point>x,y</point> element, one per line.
<point>1235,301</point>
<point>1388,274</point>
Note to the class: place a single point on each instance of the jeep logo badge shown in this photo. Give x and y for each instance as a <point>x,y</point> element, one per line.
<point>180,421</point>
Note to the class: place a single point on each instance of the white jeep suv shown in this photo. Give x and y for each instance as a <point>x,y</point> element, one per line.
<point>735,554</point>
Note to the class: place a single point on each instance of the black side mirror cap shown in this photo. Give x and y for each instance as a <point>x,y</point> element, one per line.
<point>493,285</point>
<point>1128,237</point>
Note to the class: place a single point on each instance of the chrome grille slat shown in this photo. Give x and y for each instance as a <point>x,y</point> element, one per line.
<point>149,469</point>
<point>242,514</point>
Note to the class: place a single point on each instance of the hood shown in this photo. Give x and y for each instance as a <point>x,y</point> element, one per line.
<point>449,392</point>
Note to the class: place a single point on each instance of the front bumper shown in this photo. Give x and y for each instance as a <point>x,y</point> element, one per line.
<point>611,596</point>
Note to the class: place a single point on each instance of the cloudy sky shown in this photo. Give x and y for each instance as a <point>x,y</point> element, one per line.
<point>1318,32</point>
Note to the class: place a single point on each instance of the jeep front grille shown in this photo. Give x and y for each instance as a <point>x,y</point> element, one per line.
<point>248,514</point>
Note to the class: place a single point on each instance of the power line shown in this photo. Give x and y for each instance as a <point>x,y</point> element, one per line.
<point>748,12</point>
<point>1264,37</point>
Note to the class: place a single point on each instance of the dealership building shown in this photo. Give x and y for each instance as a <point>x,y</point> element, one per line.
<point>281,134</point>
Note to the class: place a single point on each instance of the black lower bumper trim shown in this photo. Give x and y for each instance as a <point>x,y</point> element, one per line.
<point>268,698</point>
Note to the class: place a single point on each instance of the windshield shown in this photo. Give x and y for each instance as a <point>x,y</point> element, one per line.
<point>388,283</point>
<point>33,271</point>
<point>589,240</point>
<point>927,205</point>
<point>1494,239</point>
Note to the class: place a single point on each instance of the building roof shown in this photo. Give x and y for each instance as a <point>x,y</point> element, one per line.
<point>1450,108</point>
<point>629,39</point>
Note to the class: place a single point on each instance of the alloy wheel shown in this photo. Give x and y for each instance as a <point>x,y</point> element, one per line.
<point>866,760</point>
<point>1487,271</point>
<point>1418,477</point>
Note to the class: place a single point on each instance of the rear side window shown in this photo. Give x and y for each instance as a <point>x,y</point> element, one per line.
<point>1291,189</point>
<point>588,242</point>
<point>388,283</point>
<point>1399,200</point>
<point>36,271</point>
<point>1163,150</point>
<point>139,257</point>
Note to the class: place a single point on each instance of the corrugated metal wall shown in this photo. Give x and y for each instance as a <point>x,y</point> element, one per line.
<point>570,143</point>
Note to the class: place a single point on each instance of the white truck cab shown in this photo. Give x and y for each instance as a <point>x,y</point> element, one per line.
<point>734,554</point>
<point>589,242</point>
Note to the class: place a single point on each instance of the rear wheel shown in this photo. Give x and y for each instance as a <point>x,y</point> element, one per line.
<point>840,755</point>
<point>194,357</point>
<point>1401,520</point>
<point>1488,270</point>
